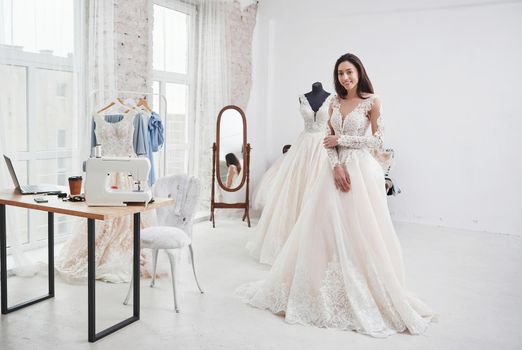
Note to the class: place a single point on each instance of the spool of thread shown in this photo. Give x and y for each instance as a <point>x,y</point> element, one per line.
<point>98,151</point>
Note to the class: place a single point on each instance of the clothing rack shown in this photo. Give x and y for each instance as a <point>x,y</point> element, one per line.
<point>162,113</point>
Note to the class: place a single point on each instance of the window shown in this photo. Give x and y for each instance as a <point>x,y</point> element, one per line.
<point>173,57</point>
<point>38,43</point>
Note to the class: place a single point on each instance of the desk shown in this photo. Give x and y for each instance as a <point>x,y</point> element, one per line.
<point>80,209</point>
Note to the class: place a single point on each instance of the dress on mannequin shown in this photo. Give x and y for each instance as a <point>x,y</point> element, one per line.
<point>260,196</point>
<point>114,240</point>
<point>297,174</point>
<point>342,266</point>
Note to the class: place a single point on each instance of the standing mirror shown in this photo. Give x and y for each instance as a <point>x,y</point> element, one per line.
<point>230,163</point>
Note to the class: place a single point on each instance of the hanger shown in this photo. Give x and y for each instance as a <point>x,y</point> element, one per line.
<point>118,102</point>
<point>142,102</point>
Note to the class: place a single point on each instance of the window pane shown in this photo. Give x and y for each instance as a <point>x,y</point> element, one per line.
<point>155,98</point>
<point>13,106</point>
<point>176,162</point>
<point>54,110</point>
<point>19,216</point>
<point>176,95</point>
<point>17,222</point>
<point>170,43</point>
<point>64,224</point>
<point>176,130</point>
<point>38,26</point>
<point>52,171</point>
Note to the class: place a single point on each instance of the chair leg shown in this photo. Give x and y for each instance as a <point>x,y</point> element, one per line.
<point>173,273</point>
<point>126,301</point>
<point>193,269</point>
<point>154,264</point>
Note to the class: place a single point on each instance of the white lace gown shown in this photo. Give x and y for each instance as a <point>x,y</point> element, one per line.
<point>303,162</point>
<point>342,265</point>
<point>114,238</point>
<point>260,196</point>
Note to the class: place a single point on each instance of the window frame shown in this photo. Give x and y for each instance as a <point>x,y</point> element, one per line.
<point>32,62</point>
<point>164,77</point>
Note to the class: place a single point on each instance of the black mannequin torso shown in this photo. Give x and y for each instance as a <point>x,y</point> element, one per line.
<point>317,96</point>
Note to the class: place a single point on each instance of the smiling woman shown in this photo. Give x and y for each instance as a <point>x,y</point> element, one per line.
<point>341,266</point>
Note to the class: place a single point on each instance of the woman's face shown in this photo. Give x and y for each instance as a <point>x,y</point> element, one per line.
<point>347,75</point>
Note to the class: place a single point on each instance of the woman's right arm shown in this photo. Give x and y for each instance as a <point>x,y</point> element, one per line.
<point>341,177</point>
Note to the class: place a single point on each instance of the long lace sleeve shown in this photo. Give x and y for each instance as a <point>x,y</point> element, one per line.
<point>333,156</point>
<point>376,140</point>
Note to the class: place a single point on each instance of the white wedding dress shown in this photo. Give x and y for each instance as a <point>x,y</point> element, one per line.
<point>260,196</point>
<point>114,237</point>
<point>297,174</point>
<point>342,265</point>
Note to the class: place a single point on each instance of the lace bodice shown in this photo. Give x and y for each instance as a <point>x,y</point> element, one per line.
<point>352,130</point>
<point>115,138</point>
<point>314,121</point>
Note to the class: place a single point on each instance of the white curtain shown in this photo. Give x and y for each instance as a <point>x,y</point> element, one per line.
<point>10,99</point>
<point>222,76</point>
<point>40,60</point>
<point>212,83</point>
<point>99,71</point>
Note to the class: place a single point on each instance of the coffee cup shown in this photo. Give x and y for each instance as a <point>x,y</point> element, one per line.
<point>75,185</point>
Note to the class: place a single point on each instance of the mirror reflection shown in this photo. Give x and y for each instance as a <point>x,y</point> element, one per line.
<point>231,149</point>
<point>230,164</point>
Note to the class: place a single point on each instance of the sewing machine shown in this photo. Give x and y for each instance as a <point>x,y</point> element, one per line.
<point>100,192</point>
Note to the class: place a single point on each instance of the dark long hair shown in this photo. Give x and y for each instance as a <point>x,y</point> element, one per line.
<point>231,159</point>
<point>363,86</point>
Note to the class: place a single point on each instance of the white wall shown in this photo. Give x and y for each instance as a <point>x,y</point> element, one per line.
<point>449,76</point>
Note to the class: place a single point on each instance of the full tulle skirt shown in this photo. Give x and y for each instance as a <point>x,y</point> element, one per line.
<point>297,175</point>
<point>113,247</point>
<point>342,265</point>
<point>267,182</point>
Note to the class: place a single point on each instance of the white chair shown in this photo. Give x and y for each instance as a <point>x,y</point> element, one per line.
<point>174,230</point>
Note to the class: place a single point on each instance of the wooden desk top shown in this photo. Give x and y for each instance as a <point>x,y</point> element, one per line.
<point>56,205</point>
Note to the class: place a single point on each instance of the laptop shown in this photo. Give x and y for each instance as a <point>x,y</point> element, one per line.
<point>29,189</point>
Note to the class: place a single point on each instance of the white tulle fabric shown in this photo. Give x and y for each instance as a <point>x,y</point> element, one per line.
<point>114,238</point>
<point>302,163</point>
<point>342,266</point>
<point>260,196</point>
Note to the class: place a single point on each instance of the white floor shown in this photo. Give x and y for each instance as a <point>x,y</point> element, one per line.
<point>471,278</point>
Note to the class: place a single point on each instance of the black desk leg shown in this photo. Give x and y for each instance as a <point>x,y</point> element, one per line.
<point>91,278</point>
<point>91,271</point>
<point>136,266</point>
<point>3,258</point>
<point>3,263</point>
<point>50,251</point>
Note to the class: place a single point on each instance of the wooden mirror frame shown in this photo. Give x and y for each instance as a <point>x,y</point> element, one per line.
<point>218,139</point>
<point>245,181</point>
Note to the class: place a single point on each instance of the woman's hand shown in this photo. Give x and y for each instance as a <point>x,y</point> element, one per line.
<point>330,141</point>
<point>341,178</point>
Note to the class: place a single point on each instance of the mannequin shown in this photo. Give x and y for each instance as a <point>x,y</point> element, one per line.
<point>316,97</point>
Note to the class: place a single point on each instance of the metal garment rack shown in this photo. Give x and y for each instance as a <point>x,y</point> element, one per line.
<point>162,113</point>
<point>92,335</point>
